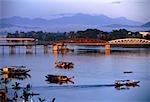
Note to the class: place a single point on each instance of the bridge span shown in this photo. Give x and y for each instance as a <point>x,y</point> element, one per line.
<point>80,41</point>
<point>26,42</point>
<point>89,41</point>
<point>130,41</point>
<point>56,46</point>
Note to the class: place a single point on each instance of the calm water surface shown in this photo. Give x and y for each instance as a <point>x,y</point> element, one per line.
<point>92,69</point>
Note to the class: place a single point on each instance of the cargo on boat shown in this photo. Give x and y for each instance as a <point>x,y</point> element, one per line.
<point>133,83</point>
<point>59,79</point>
<point>64,65</point>
<point>14,70</point>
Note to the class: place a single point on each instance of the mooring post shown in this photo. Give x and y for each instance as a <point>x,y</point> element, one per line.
<point>45,49</point>
<point>107,49</point>
<point>3,49</point>
<point>29,50</point>
<point>12,49</point>
<point>55,47</point>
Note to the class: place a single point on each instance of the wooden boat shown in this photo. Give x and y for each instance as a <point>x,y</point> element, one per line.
<point>126,83</point>
<point>59,79</point>
<point>14,70</point>
<point>64,65</point>
<point>128,72</point>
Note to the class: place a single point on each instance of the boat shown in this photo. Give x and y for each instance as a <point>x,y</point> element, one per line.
<point>64,65</point>
<point>128,72</point>
<point>14,70</point>
<point>133,83</point>
<point>59,79</point>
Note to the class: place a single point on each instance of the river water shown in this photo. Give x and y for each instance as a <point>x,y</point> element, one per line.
<point>93,69</point>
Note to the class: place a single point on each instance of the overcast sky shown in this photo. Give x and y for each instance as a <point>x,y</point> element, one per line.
<point>137,10</point>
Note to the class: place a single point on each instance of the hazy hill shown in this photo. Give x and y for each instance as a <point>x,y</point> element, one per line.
<point>77,19</point>
<point>146,24</point>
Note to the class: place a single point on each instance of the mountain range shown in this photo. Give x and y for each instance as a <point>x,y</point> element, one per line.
<point>68,23</point>
<point>77,19</point>
<point>146,24</point>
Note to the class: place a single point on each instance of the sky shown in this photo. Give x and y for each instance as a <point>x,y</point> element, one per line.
<point>137,10</point>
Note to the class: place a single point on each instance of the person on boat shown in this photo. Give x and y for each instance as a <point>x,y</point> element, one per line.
<point>63,65</point>
<point>128,82</point>
<point>117,82</point>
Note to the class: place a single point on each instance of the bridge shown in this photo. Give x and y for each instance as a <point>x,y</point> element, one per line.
<point>56,46</point>
<point>89,41</point>
<point>80,41</point>
<point>130,41</point>
<point>17,41</point>
<point>13,42</point>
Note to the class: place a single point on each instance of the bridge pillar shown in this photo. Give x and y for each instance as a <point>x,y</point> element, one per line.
<point>45,48</point>
<point>107,46</point>
<point>29,50</point>
<point>107,49</point>
<point>12,49</point>
<point>57,47</point>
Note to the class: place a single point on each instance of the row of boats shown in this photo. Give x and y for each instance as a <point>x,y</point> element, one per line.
<point>59,79</point>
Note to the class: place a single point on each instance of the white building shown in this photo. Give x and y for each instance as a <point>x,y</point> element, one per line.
<point>144,33</point>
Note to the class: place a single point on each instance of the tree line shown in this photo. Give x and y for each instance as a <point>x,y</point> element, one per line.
<point>88,33</point>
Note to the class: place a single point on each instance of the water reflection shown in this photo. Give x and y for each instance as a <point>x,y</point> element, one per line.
<point>7,75</point>
<point>93,70</point>
<point>126,87</point>
<point>16,76</point>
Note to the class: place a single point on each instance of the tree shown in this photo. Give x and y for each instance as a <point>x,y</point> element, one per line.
<point>119,34</point>
<point>147,37</point>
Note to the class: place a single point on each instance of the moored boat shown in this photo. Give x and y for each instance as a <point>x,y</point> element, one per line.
<point>59,79</point>
<point>119,83</point>
<point>64,65</point>
<point>14,70</point>
<point>125,72</point>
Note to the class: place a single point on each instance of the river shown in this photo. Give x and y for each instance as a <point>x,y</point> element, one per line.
<point>93,69</point>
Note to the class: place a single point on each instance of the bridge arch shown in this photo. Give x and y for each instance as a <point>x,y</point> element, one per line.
<point>130,41</point>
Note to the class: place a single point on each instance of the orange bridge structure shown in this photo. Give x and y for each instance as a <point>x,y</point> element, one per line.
<point>90,41</point>
<point>56,46</point>
<point>80,41</point>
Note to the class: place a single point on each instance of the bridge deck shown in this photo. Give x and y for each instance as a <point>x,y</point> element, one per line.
<point>17,44</point>
<point>18,39</point>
